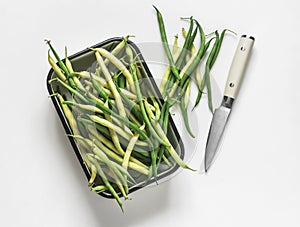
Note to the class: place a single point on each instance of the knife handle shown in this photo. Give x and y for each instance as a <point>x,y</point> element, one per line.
<point>238,66</point>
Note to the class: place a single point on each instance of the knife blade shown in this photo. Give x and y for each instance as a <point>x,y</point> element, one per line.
<point>221,114</point>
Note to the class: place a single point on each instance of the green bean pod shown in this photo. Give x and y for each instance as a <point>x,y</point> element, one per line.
<point>166,44</point>
<point>106,182</point>
<point>206,78</point>
<point>61,64</point>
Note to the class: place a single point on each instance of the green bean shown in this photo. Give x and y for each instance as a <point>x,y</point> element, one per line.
<point>113,134</point>
<point>219,46</point>
<point>175,46</point>
<point>111,84</point>
<point>192,48</point>
<point>186,46</point>
<point>93,174</point>
<point>129,149</point>
<point>68,114</point>
<point>172,84</point>
<point>160,154</point>
<point>71,71</point>
<point>128,94</point>
<point>175,54</point>
<point>99,189</point>
<point>72,90</point>
<point>83,149</point>
<point>192,63</point>
<point>206,78</point>
<point>197,72</point>
<point>106,182</point>
<point>192,39</point>
<point>157,108</point>
<point>162,115</point>
<point>99,88</point>
<point>122,81</point>
<point>187,94</point>
<point>89,108</point>
<point>207,45</point>
<point>166,118</point>
<point>61,64</point>
<point>118,48</point>
<point>55,68</point>
<point>184,110</point>
<point>115,61</point>
<point>83,109</point>
<point>166,44</point>
<point>148,110</point>
<point>123,188</point>
<point>114,52</point>
<point>169,78</point>
<point>196,60</point>
<point>199,79</point>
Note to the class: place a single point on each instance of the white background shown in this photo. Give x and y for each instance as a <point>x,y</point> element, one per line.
<point>256,178</point>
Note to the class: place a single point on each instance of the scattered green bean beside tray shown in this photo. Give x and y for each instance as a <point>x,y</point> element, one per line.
<point>188,60</point>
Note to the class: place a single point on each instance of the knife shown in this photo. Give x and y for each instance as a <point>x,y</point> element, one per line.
<point>221,114</point>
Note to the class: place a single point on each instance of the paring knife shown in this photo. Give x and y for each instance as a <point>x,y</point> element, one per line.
<point>221,114</point>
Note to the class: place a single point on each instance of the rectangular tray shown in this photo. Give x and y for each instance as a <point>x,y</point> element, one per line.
<point>85,60</point>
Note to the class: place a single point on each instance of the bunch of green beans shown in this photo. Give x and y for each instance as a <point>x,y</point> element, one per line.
<point>185,64</point>
<point>115,125</point>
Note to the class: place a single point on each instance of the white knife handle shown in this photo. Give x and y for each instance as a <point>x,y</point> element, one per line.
<point>238,66</point>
